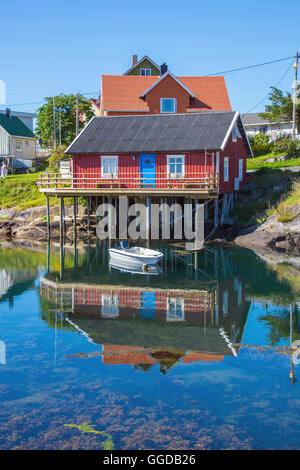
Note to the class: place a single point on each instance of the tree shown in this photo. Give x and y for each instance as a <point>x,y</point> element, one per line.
<point>67,103</point>
<point>281,107</point>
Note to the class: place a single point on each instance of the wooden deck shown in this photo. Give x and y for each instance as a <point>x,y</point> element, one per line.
<point>198,185</point>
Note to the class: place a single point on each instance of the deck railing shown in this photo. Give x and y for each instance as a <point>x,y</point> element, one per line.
<point>206,182</point>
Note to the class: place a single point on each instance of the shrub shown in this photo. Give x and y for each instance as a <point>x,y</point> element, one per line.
<point>261,144</point>
<point>57,155</point>
<point>286,145</point>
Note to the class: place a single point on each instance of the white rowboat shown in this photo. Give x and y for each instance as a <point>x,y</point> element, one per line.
<point>135,255</point>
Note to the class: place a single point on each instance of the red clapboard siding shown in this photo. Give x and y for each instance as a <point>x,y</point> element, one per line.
<point>235,151</point>
<point>89,166</point>
<point>194,167</point>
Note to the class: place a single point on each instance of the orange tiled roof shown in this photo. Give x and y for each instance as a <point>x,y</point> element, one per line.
<point>122,92</point>
<point>194,356</point>
<point>114,354</point>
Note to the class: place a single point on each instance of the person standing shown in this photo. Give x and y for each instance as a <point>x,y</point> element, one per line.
<point>3,170</point>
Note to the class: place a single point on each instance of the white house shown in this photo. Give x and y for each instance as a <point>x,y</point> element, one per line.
<point>254,124</point>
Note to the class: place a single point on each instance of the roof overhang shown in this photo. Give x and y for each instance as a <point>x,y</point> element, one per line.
<point>162,78</point>
<point>228,133</point>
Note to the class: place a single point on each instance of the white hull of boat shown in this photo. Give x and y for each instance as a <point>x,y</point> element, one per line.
<point>135,255</point>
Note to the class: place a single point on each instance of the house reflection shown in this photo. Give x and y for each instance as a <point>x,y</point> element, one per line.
<point>171,319</point>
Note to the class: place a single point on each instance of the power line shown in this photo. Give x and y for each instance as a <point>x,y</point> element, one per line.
<point>265,97</point>
<point>209,75</point>
<point>250,66</point>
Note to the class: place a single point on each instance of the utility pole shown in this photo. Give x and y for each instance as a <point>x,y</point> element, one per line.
<point>77,112</point>
<point>59,125</point>
<point>295,96</point>
<point>53,104</point>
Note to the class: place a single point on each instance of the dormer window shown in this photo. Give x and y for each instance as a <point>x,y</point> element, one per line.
<point>145,72</point>
<point>168,105</point>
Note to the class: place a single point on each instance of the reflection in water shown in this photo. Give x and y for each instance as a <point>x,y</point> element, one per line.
<point>198,354</point>
<point>194,308</point>
<point>185,315</point>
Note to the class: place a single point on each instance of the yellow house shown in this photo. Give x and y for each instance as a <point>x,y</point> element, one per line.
<point>16,139</point>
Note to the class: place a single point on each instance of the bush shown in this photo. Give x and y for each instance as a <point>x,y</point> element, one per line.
<point>57,155</point>
<point>261,144</point>
<point>286,145</point>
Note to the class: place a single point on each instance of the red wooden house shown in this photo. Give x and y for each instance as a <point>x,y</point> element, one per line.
<point>202,153</point>
<point>192,156</point>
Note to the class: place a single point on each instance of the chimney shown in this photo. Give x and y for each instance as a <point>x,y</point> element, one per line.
<point>8,113</point>
<point>163,68</point>
<point>134,59</point>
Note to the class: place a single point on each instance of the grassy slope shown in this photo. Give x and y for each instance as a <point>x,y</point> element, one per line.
<point>260,162</point>
<point>266,200</point>
<point>21,192</point>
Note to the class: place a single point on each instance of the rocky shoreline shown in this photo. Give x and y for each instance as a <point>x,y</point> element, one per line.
<point>31,224</point>
<point>268,234</point>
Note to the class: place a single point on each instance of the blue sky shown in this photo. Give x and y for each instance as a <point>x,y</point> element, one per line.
<point>82,40</point>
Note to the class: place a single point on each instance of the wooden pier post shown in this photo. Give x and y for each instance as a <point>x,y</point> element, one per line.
<point>88,201</point>
<point>75,218</point>
<point>216,214</point>
<point>48,216</point>
<point>61,218</point>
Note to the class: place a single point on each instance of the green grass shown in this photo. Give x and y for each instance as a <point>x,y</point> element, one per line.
<point>21,192</point>
<point>266,201</point>
<point>260,162</point>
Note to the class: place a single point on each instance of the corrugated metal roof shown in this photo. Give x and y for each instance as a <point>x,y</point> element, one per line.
<point>154,133</point>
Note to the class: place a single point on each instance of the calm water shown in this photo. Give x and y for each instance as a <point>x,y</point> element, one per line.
<point>201,354</point>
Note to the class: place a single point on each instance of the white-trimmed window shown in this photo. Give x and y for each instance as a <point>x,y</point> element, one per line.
<point>226,168</point>
<point>175,166</point>
<point>145,72</point>
<point>168,105</point>
<point>241,167</point>
<point>110,305</point>
<point>19,146</point>
<point>109,166</point>
<point>175,309</point>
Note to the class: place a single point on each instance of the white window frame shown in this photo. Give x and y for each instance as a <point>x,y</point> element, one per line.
<point>110,305</point>
<point>168,112</point>
<point>175,309</point>
<point>226,168</point>
<point>114,158</point>
<point>145,74</point>
<point>241,168</point>
<point>175,175</point>
<point>19,148</point>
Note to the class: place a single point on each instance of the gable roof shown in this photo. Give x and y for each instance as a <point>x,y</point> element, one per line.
<point>252,119</point>
<point>122,92</point>
<point>140,61</point>
<point>157,133</point>
<point>15,127</point>
<point>161,78</point>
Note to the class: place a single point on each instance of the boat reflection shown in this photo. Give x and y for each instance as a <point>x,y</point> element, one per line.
<point>137,269</point>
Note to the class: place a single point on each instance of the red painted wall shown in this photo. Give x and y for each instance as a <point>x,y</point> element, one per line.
<point>235,151</point>
<point>168,88</point>
<point>128,168</point>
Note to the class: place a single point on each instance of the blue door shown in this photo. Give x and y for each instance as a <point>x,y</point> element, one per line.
<point>147,169</point>
<point>147,309</point>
